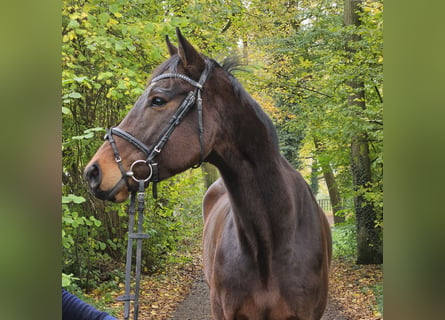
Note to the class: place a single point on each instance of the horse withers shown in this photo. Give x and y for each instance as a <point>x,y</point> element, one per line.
<point>266,242</point>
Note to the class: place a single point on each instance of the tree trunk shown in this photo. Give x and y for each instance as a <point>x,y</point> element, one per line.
<point>245,52</point>
<point>314,177</point>
<point>334,193</point>
<point>369,243</point>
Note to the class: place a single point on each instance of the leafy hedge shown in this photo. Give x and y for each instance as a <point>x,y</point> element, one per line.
<point>173,221</point>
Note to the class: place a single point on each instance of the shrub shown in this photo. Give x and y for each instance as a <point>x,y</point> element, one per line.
<point>344,241</point>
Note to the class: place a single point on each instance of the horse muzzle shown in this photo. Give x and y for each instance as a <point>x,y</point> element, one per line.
<point>93,176</point>
<point>117,193</point>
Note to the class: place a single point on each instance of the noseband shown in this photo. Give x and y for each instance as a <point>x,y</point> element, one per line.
<point>155,149</point>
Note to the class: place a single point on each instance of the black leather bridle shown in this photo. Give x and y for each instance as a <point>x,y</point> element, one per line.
<point>192,98</point>
<point>155,149</point>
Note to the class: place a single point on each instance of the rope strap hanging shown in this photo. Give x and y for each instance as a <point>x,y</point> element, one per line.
<point>138,236</point>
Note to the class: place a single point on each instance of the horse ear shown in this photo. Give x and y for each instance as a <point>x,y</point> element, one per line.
<point>187,53</point>
<point>171,48</point>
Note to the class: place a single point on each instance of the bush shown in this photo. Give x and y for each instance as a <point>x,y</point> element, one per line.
<point>81,248</point>
<point>174,220</point>
<point>344,241</point>
<point>378,293</point>
<point>93,256</point>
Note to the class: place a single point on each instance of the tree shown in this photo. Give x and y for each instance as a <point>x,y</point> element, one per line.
<point>369,242</point>
<point>328,75</point>
<point>323,99</point>
<point>109,48</point>
<point>333,190</point>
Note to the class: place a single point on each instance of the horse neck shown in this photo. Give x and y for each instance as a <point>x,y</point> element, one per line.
<point>261,185</point>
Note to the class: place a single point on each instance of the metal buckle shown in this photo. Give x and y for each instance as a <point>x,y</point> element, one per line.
<point>157,149</point>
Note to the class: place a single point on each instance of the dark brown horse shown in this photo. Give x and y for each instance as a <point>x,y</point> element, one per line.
<point>266,242</point>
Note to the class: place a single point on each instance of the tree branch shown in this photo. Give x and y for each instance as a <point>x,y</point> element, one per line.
<point>227,26</point>
<point>378,93</point>
<point>315,91</point>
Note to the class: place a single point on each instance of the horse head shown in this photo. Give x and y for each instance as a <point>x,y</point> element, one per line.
<point>169,129</point>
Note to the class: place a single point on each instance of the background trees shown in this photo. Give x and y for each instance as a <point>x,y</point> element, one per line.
<point>314,66</point>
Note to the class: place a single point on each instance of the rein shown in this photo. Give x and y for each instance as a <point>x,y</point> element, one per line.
<point>151,153</point>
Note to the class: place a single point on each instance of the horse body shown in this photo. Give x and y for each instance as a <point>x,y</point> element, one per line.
<point>266,242</point>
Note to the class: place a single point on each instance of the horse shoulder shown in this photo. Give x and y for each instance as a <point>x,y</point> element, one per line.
<point>216,208</point>
<point>214,193</point>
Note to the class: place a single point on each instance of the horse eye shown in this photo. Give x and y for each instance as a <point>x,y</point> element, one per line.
<point>158,102</point>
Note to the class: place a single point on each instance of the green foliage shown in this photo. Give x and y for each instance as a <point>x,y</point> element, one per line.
<point>68,280</point>
<point>299,68</point>
<point>314,178</point>
<point>344,245</point>
<point>311,62</point>
<point>378,293</point>
<point>108,51</point>
<point>81,248</point>
<point>174,219</point>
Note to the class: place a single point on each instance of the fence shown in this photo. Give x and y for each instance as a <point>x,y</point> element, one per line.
<point>325,204</point>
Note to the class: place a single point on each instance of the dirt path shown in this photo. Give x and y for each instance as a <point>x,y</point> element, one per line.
<point>181,293</point>
<point>196,306</point>
<point>351,293</point>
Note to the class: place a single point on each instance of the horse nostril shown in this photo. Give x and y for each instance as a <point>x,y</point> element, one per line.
<point>93,175</point>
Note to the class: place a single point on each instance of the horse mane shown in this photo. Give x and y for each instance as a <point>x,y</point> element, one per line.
<point>233,64</point>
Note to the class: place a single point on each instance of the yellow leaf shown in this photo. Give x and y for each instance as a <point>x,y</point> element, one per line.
<point>112,22</point>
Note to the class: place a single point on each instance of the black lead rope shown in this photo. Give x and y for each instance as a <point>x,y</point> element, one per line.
<point>139,236</point>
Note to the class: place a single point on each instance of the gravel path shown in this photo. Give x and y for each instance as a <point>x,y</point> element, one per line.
<point>196,306</point>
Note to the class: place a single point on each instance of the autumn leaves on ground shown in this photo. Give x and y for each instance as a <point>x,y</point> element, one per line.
<point>355,290</point>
